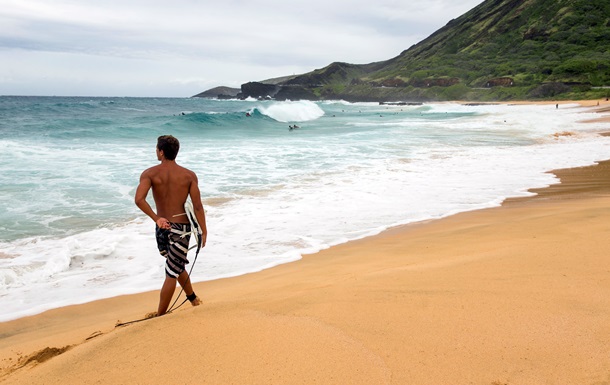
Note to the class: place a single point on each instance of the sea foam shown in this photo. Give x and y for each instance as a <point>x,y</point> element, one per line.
<point>298,111</point>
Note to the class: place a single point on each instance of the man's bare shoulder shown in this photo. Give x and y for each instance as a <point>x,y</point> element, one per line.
<point>151,171</point>
<point>174,169</point>
<point>186,171</point>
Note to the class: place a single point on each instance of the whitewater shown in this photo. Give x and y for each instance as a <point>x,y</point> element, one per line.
<point>70,232</point>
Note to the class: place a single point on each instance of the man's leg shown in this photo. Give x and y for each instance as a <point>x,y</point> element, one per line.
<point>185,282</point>
<point>167,292</point>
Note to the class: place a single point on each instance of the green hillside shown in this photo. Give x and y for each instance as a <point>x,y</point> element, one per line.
<point>500,50</point>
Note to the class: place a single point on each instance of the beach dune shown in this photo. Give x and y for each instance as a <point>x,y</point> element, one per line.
<point>516,294</point>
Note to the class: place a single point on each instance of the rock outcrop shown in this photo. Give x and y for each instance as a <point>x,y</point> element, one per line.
<point>219,93</point>
<point>295,93</point>
<point>258,90</point>
<point>500,82</point>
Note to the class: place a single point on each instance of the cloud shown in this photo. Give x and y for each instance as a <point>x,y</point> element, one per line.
<point>211,43</point>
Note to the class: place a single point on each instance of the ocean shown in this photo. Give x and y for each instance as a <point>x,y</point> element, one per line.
<point>70,232</point>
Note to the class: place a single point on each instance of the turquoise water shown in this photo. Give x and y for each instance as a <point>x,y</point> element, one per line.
<point>71,165</point>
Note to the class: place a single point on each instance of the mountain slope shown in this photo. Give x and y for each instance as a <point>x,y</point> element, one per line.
<point>533,48</point>
<point>499,50</point>
<point>534,40</point>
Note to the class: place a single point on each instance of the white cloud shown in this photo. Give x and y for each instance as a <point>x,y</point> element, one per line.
<point>158,48</point>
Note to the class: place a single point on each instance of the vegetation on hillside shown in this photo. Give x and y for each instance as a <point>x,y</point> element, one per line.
<point>500,50</point>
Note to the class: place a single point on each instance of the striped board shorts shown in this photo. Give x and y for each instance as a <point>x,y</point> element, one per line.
<point>173,244</point>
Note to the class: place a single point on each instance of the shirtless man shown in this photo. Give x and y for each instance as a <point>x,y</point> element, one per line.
<point>171,185</point>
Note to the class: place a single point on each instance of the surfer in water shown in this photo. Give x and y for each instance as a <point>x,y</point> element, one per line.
<point>171,186</point>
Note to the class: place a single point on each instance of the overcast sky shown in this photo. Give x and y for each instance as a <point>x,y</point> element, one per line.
<point>179,48</point>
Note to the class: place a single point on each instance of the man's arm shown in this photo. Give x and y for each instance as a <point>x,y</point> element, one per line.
<point>198,206</point>
<point>140,201</point>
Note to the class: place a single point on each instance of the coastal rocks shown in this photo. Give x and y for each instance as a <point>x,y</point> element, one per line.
<point>219,93</point>
<point>258,90</point>
<point>295,93</point>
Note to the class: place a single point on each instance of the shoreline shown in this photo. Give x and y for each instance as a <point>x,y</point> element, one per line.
<point>91,292</point>
<point>367,302</point>
<point>359,299</point>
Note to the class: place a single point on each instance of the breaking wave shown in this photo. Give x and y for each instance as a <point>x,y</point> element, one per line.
<point>300,111</point>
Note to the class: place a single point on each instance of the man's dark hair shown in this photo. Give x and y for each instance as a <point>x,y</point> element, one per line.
<point>169,145</point>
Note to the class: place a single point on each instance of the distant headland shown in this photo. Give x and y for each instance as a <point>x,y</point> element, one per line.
<point>500,50</point>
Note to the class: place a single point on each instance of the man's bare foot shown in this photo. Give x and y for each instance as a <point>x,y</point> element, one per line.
<point>150,315</point>
<point>196,301</point>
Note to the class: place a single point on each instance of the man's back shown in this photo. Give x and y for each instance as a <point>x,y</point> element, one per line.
<point>171,184</point>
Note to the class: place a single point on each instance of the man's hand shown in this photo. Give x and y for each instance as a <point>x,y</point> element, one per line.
<point>163,223</point>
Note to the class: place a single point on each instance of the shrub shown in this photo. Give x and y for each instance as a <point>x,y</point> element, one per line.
<point>577,66</point>
<point>455,92</point>
<point>549,90</point>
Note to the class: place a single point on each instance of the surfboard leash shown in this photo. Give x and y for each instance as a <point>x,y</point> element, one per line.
<point>196,230</point>
<point>171,309</point>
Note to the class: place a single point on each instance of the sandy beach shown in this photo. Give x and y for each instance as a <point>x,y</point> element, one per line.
<point>516,294</point>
